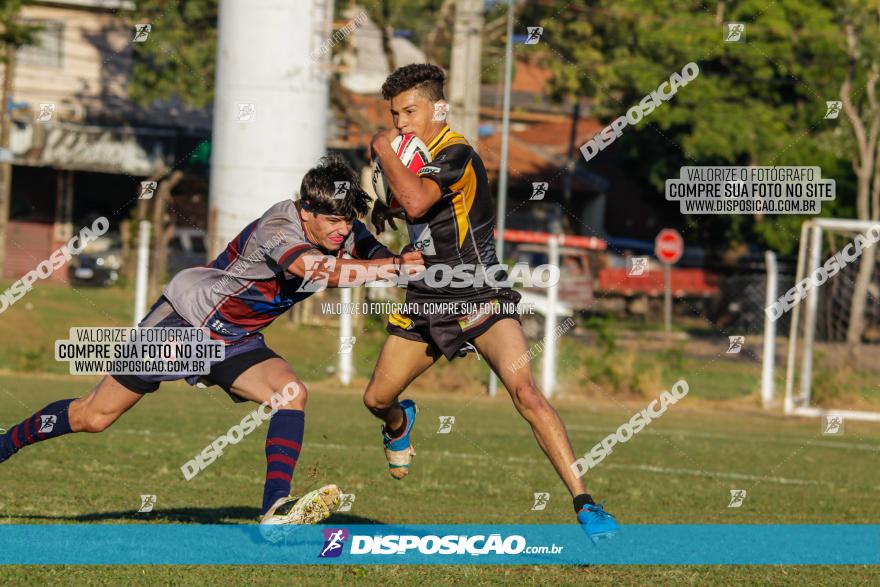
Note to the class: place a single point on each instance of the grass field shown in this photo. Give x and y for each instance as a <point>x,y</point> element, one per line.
<point>485,471</point>
<point>679,470</point>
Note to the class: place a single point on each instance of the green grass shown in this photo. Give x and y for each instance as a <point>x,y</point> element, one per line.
<point>30,327</point>
<point>678,470</point>
<point>431,576</point>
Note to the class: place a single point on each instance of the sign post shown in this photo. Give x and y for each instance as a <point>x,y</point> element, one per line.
<point>668,247</point>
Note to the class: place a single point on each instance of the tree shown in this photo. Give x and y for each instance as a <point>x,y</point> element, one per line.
<point>13,35</point>
<point>860,23</point>
<point>761,102</point>
<point>183,40</point>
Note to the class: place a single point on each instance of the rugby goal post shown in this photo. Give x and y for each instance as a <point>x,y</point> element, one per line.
<point>833,301</point>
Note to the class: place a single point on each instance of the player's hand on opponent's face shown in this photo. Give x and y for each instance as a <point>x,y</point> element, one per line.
<point>382,214</point>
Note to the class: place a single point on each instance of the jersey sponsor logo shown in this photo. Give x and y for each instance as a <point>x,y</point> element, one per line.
<point>481,315</point>
<point>421,238</point>
<point>429,169</point>
<point>220,327</point>
<point>401,321</point>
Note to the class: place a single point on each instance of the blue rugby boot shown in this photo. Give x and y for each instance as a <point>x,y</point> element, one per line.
<point>597,523</point>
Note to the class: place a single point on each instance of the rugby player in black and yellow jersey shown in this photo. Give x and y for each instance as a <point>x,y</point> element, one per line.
<point>450,219</point>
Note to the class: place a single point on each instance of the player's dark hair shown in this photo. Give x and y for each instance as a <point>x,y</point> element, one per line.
<point>427,79</point>
<point>321,184</point>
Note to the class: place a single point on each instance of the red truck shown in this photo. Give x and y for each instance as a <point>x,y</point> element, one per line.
<point>592,278</point>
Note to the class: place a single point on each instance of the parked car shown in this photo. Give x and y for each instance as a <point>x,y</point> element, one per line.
<point>187,248</point>
<point>99,263</point>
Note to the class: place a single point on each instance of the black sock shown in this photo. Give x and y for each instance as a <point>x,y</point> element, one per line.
<point>581,500</point>
<point>397,431</point>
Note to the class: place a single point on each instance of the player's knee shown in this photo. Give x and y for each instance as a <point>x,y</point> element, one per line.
<point>375,402</point>
<point>96,421</point>
<point>83,416</point>
<point>292,396</point>
<point>528,398</point>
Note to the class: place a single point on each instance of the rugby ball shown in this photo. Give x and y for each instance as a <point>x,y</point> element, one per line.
<point>414,155</point>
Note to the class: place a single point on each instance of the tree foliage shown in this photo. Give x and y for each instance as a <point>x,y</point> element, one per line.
<point>181,49</point>
<point>15,33</point>
<point>757,102</point>
<point>182,45</point>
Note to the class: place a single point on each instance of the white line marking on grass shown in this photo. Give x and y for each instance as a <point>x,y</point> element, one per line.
<point>699,473</point>
<point>744,437</point>
<point>334,446</point>
<point>646,468</point>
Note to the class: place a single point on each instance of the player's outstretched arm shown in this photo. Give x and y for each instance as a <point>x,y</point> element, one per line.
<point>354,272</point>
<point>414,193</point>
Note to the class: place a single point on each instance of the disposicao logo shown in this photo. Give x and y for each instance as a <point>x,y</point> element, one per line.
<point>334,540</point>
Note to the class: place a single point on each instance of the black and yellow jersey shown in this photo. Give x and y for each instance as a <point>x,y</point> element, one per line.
<point>459,228</point>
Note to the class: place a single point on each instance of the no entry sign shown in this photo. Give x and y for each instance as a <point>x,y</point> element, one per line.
<point>669,246</point>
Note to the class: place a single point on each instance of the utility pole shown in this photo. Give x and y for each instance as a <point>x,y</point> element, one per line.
<point>571,166</point>
<point>501,215</point>
<point>6,163</point>
<point>464,70</point>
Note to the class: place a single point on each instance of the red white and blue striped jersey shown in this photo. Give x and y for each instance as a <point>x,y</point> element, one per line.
<point>247,286</point>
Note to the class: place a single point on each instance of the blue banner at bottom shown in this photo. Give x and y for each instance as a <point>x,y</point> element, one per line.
<point>136,544</point>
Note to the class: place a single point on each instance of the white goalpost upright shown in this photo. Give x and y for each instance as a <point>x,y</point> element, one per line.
<point>143,269</point>
<point>345,332</point>
<point>769,358</point>
<point>799,376</point>
<point>548,369</point>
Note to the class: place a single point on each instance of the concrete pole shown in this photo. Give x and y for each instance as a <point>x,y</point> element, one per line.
<point>464,70</point>
<point>270,106</point>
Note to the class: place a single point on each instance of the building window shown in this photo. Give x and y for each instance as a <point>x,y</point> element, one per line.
<point>48,48</point>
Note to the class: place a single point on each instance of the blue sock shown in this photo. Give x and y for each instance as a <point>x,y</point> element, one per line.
<point>283,443</point>
<point>49,422</point>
